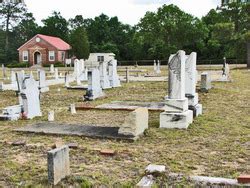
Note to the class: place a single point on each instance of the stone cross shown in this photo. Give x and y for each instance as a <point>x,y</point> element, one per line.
<point>30,98</point>
<point>58,164</point>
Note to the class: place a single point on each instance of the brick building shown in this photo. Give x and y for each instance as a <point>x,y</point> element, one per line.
<point>42,49</point>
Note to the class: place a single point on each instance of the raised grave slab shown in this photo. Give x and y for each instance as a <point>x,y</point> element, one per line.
<point>75,130</point>
<point>129,105</point>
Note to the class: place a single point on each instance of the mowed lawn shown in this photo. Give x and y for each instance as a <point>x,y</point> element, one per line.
<point>216,144</point>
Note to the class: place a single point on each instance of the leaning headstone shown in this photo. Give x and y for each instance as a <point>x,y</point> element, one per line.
<point>52,69</point>
<point>113,76</point>
<point>42,82</point>
<point>176,113</point>
<point>94,90</point>
<point>135,123</point>
<point>30,98</point>
<point>105,82</point>
<point>58,164</point>
<point>205,82</point>
<point>190,85</point>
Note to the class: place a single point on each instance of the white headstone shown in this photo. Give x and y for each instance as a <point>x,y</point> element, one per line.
<point>105,83</point>
<point>94,85</point>
<point>56,74</point>
<point>158,68</point>
<point>73,109</point>
<point>176,113</point>
<point>13,78</point>
<point>68,61</point>
<point>51,116</point>
<point>155,66</point>
<point>52,69</point>
<point>30,98</point>
<point>42,81</point>
<point>113,76</point>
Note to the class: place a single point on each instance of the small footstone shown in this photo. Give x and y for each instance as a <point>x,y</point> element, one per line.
<point>155,168</point>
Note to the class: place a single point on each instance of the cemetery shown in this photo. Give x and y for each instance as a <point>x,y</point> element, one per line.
<point>97,103</point>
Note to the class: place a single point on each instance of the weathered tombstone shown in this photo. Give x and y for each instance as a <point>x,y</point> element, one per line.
<point>113,76</point>
<point>205,82</point>
<point>190,85</point>
<point>52,69</point>
<point>158,68</point>
<point>94,86</point>
<point>30,98</point>
<point>67,80</point>
<point>42,82</point>
<point>176,113</point>
<point>105,82</point>
<point>135,123</point>
<point>58,164</point>
<point>51,116</point>
<point>56,74</point>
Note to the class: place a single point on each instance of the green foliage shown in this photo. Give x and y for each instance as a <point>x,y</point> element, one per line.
<point>57,64</point>
<point>56,25</point>
<point>79,42</point>
<point>15,64</point>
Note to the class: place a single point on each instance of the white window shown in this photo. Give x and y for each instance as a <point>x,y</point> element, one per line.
<point>51,55</point>
<point>100,58</point>
<point>25,56</point>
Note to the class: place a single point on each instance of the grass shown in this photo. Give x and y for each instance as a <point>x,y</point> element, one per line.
<point>216,144</point>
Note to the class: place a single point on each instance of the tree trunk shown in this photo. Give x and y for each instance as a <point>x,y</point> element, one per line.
<point>7,36</point>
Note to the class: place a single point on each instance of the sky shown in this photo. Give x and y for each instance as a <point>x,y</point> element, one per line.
<point>128,11</point>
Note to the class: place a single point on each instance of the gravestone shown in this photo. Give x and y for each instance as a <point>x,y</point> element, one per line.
<point>73,109</point>
<point>13,78</point>
<point>51,116</point>
<point>155,66</point>
<point>67,80</point>
<point>58,164</point>
<point>94,90</point>
<point>158,68</point>
<point>104,77</point>
<point>135,123</point>
<point>42,82</point>
<point>30,98</point>
<point>113,76</point>
<point>77,71</point>
<point>68,61</point>
<point>52,69</point>
<point>56,74</point>
<point>205,82</point>
<point>19,79</point>
<point>225,72</point>
<point>176,113</point>
<point>83,71</point>
<point>190,85</point>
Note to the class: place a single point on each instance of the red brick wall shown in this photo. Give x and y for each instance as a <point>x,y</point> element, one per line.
<point>43,47</point>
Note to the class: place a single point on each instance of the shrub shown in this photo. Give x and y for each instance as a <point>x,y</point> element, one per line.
<point>57,64</point>
<point>16,64</point>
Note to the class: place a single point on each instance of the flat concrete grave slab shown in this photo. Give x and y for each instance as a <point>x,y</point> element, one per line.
<point>116,105</point>
<point>75,130</point>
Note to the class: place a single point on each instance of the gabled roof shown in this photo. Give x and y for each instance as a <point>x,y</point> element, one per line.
<point>58,43</point>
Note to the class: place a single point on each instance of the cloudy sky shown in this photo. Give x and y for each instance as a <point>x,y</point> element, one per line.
<point>128,11</point>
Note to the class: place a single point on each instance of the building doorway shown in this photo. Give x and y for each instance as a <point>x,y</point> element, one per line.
<point>37,58</point>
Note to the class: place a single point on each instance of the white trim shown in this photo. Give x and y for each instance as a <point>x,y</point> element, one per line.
<point>25,54</point>
<point>51,54</point>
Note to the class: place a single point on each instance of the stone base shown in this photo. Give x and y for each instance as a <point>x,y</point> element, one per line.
<point>171,120</point>
<point>44,89</point>
<point>197,110</point>
<point>176,105</point>
<point>192,99</point>
<point>90,95</point>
